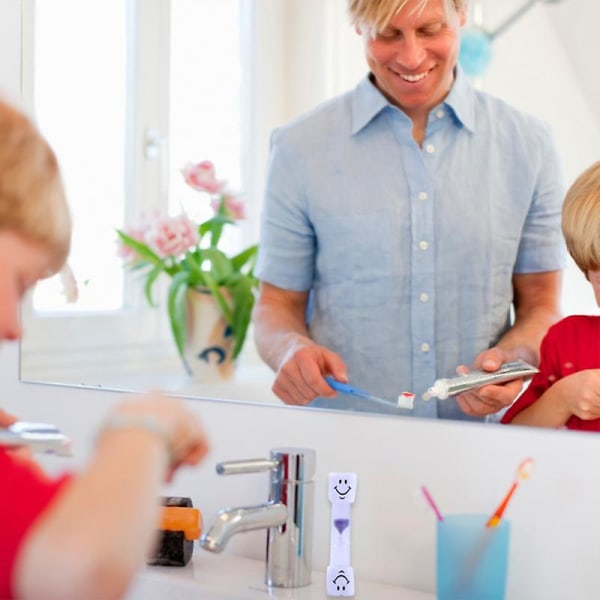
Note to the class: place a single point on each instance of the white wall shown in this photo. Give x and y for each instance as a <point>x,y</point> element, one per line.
<point>555,547</point>
<point>539,70</point>
<point>532,68</point>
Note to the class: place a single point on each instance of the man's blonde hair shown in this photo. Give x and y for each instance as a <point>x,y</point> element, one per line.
<point>32,197</point>
<point>581,219</point>
<point>374,15</point>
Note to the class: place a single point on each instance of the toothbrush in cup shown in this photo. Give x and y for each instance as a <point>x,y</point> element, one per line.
<point>524,471</point>
<point>432,504</point>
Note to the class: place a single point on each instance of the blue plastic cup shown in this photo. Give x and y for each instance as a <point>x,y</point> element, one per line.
<point>472,559</point>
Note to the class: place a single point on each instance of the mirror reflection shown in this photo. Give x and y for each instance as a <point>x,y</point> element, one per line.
<point>124,131</point>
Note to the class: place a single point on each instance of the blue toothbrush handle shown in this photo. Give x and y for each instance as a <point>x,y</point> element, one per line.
<point>346,388</point>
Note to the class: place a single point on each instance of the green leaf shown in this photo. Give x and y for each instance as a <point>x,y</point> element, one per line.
<point>152,276</point>
<point>193,263</point>
<point>214,226</point>
<point>243,301</point>
<point>220,265</point>
<point>141,249</point>
<point>247,256</point>
<point>211,284</point>
<point>216,222</point>
<point>177,308</point>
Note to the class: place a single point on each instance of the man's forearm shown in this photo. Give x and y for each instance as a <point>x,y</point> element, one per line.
<point>536,301</point>
<point>276,331</point>
<point>524,338</point>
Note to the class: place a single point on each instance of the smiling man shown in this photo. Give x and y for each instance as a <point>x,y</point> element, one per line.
<point>412,58</point>
<point>415,213</point>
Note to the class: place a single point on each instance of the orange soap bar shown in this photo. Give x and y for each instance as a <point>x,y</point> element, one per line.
<point>182,518</point>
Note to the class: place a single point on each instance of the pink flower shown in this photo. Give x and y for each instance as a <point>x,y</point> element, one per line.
<point>172,236</point>
<point>69,284</point>
<point>233,205</point>
<point>202,177</point>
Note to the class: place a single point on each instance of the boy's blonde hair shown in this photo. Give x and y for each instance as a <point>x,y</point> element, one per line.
<point>581,219</point>
<point>32,197</point>
<point>374,15</point>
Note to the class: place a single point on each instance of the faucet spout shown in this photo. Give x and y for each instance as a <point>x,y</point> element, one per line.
<point>287,517</point>
<point>246,518</point>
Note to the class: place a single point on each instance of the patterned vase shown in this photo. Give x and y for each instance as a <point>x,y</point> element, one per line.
<point>207,353</point>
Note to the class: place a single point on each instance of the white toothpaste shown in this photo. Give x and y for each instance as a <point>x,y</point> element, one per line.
<point>444,388</point>
<point>406,400</point>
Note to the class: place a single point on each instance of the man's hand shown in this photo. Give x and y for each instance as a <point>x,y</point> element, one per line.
<point>489,399</point>
<point>300,379</point>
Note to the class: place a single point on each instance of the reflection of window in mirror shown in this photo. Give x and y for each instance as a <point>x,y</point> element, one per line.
<point>195,116</point>
<point>126,97</point>
<point>86,123</point>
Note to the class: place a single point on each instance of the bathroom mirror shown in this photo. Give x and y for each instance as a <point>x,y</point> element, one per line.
<point>288,56</point>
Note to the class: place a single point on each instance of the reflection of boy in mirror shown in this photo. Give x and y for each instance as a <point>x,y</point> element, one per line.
<point>414,211</point>
<point>566,391</point>
<point>78,536</point>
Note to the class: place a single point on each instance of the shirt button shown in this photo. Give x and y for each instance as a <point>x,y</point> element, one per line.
<point>430,148</point>
<point>440,114</point>
<point>423,196</point>
<point>423,245</point>
<point>425,347</point>
<point>424,297</point>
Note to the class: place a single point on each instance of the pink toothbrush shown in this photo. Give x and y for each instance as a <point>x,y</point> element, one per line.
<point>432,503</point>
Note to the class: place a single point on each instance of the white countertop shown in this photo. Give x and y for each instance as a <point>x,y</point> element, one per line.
<point>220,577</point>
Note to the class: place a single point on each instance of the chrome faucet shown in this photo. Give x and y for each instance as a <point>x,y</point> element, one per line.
<point>287,516</point>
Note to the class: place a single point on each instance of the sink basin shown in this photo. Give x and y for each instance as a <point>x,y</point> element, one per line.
<point>228,577</point>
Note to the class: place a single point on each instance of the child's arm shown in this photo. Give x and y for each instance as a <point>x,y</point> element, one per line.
<point>577,394</point>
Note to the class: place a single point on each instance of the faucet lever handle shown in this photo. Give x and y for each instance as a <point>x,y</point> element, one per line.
<point>251,465</point>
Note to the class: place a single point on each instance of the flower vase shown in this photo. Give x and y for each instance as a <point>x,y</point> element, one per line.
<point>208,349</point>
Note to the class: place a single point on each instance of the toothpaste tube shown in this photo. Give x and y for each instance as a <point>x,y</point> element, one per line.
<point>444,388</point>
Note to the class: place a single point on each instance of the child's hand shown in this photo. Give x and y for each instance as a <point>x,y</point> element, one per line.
<point>6,419</point>
<point>581,393</point>
<point>181,430</point>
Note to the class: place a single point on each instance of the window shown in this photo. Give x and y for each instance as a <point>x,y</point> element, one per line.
<point>126,91</point>
<point>86,124</point>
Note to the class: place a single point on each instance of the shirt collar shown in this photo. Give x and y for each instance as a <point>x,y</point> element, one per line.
<point>368,102</point>
<point>461,100</point>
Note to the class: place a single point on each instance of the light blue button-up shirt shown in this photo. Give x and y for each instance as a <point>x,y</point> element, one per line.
<point>409,251</point>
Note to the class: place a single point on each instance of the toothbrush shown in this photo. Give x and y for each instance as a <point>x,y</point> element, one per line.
<point>432,504</point>
<point>40,437</point>
<point>523,472</point>
<point>405,400</point>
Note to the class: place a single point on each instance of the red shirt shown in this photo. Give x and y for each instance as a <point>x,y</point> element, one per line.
<point>24,493</point>
<point>571,345</point>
